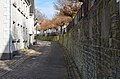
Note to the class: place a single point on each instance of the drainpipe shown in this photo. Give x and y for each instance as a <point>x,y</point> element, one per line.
<point>10,38</point>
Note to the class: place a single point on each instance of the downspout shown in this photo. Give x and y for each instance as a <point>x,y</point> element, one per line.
<point>10,30</point>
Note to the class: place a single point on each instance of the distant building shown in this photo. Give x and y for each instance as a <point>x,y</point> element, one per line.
<point>15,20</point>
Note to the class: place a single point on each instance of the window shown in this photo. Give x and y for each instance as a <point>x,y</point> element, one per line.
<point>13,22</point>
<point>15,4</point>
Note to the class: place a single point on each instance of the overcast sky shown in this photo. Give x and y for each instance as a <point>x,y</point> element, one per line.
<point>46,7</point>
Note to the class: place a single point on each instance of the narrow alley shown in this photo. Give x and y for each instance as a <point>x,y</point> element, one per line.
<point>81,39</point>
<point>46,63</point>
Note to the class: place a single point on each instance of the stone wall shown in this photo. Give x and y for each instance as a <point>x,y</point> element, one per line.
<point>94,43</point>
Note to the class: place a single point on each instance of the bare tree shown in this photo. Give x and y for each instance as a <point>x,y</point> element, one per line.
<point>40,16</point>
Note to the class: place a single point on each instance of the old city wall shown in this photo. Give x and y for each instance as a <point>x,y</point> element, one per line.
<point>93,44</point>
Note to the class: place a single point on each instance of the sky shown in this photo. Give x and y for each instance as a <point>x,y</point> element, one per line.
<point>46,7</point>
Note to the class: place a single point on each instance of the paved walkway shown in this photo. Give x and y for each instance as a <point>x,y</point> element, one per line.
<point>44,62</point>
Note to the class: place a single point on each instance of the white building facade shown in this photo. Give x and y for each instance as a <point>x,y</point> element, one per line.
<point>14,26</point>
<point>31,30</point>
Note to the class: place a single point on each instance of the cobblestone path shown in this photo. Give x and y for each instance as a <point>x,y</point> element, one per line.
<point>46,62</point>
